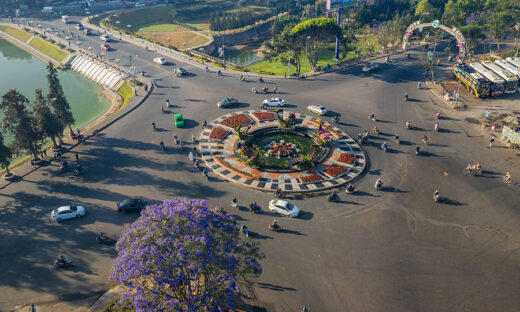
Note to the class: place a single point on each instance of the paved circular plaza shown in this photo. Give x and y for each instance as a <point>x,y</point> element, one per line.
<point>344,160</point>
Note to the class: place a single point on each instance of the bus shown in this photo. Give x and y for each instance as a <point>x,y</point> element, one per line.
<point>515,61</point>
<point>510,78</point>
<point>510,68</point>
<point>497,83</point>
<point>65,19</point>
<point>474,81</point>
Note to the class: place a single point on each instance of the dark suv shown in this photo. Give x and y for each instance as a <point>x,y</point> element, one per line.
<point>131,205</point>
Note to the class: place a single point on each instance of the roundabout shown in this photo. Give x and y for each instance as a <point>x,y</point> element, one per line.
<point>293,152</point>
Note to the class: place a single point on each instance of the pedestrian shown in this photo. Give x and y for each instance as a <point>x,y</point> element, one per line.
<point>175,140</point>
<point>494,128</point>
<point>491,142</point>
<point>195,151</point>
<point>204,123</point>
<point>192,139</point>
<point>77,157</point>
<point>182,144</point>
<point>191,157</point>
<point>77,131</point>
<point>145,88</point>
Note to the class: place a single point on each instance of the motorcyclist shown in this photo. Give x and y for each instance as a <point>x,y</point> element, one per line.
<point>417,149</point>
<point>406,96</point>
<point>436,126</point>
<point>253,89</point>
<point>383,146</point>
<point>408,124</point>
<point>276,225</point>
<point>396,138</point>
<point>375,130</point>
<point>350,188</point>
<point>243,228</point>
<point>219,73</point>
<point>153,125</point>
<point>379,184</point>
<point>333,196</point>
<point>436,195</point>
<point>372,117</point>
<point>275,89</point>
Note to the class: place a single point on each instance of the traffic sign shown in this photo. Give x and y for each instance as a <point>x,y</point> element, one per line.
<point>435,23</point>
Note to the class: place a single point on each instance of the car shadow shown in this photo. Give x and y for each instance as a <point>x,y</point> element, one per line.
<point>306,215</point>
<point>190,123</point>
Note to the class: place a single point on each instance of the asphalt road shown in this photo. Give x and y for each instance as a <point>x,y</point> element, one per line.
<point>389,250</point>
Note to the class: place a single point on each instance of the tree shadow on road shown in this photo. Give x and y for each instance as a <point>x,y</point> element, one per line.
<point>274,287</point>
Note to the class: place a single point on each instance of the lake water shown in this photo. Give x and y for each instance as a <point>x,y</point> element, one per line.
<point>23,71</point>
<point>238,57</point>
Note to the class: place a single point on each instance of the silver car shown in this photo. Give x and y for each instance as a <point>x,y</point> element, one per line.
<point>284,207</point>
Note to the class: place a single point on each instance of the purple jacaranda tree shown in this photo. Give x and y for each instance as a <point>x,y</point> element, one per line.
<point>182,256</point>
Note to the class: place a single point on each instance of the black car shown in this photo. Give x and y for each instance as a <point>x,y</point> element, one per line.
<point>131,205</point>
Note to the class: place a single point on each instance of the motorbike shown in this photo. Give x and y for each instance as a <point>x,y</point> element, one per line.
<point>254,208</point>
<point>436,127</point>
<point>408,125</point>
<point>261,79</point>
<point>254,90</point>
<point>384,147</point>
<point>275,228</point>
<point>417,150</point>
<point>406,97</point>
<point>243,229</point>
<point>437,115</point>
<point>60,263</point>
<point>350,189</point>
<point>235,205</point>
<point>103,240</point>
<point>378,186</point>
<point>436,198</point>
<point>333,198</point>
<point>397,141</point>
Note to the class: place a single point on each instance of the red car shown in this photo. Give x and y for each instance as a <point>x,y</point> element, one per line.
<point>105,47</point>
<point>149,3</point>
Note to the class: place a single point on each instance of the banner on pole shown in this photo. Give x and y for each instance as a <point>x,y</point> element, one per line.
<point>340,3</point>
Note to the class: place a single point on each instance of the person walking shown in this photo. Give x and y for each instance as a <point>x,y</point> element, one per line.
<point>192,159</point>
<point>193,139</point>
<point>77,157</point>
<point>182,144</point>
<point>491,141</point>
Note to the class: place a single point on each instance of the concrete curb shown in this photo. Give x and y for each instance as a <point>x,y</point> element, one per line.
<point>106,299</point>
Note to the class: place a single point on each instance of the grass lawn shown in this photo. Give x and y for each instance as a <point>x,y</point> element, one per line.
<point>274,67</point>
<point>48,49</point>
<point>200,26</point>
<point>126,92</point>
<point>17,33</point>
<point>278,68</point>
<point>164,27</point>
<point>177,39</point>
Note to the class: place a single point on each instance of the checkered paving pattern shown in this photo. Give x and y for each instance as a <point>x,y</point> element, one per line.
<point>231,169</point>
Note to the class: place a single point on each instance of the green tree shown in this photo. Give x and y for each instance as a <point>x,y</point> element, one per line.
<point>20,123</point>
<point>451,14</point>
<point>5,155</point>
<point>285,47</point>
<point>315,34</point>
<point>281,22</point>
<point>46,122</point>
<point>57,98</point>
<point>498,25</point>
<point>472,34</point>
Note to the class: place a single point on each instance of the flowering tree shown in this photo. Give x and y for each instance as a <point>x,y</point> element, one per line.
<point>182,256</point>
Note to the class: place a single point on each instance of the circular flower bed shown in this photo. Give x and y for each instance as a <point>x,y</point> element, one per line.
<point>218,133</point>
<point>236,120</point>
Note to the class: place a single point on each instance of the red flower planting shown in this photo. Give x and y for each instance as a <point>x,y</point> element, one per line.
<point>311,178</point>
<point>236,120</point>
<point>347,158</point>
<point>218,133</point>
<point>334,171</point>
<point>264,115</point>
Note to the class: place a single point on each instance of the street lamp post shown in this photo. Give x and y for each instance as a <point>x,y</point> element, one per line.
<point>169,39</point>
<point>78,43</point>
<point>154,37</point>
<point>130,60</point>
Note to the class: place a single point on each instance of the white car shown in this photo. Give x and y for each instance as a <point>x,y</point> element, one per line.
<point>277,102</point>
<point>284,207</point>
<point>67,212</point>
<point>104,38</point>
<point>370,67</point>
<point>318,109</point>
<point>140,5</point>
<point>159,60</point>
